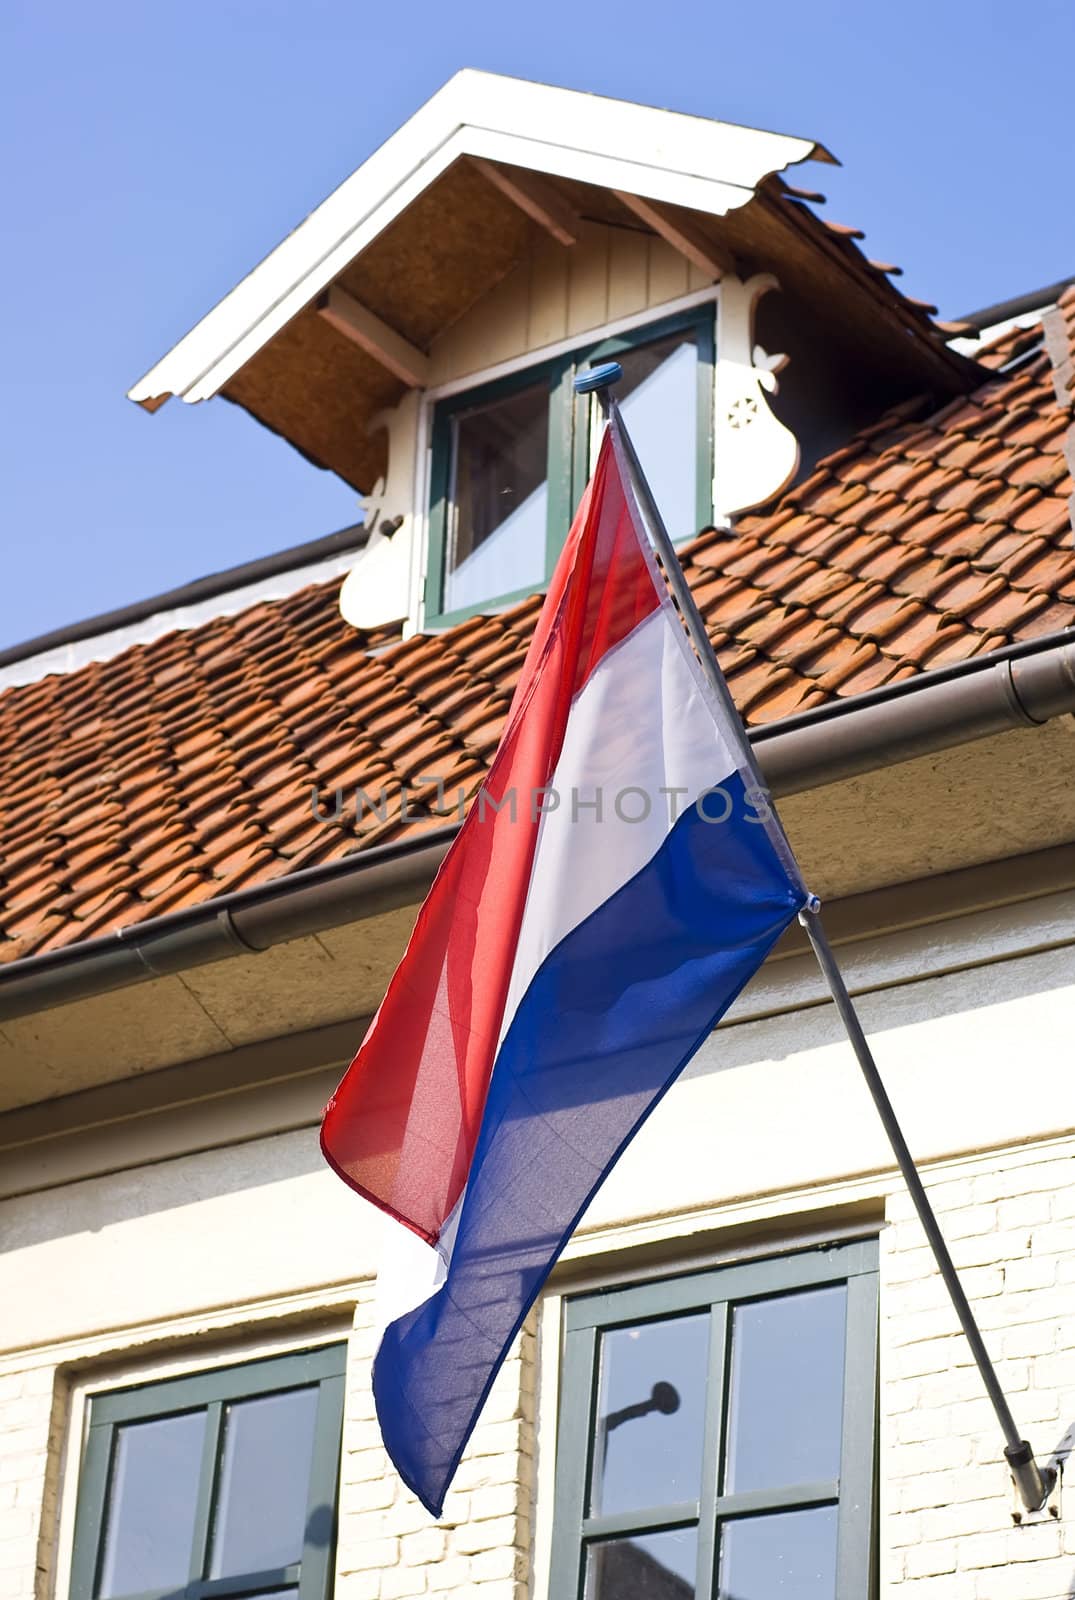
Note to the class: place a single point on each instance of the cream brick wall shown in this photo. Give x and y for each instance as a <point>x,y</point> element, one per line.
<point>945,1502</point>
<point>32,1416</point>
<point>945,1524</point>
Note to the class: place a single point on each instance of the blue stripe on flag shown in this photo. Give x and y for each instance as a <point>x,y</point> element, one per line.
<point>612,1015</point>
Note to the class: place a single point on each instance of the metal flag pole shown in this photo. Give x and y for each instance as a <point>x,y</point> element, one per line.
<point>1033,1483</point>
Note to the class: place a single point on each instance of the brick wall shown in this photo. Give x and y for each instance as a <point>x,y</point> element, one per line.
<point>946,1525</point>
<point>31,1450</point>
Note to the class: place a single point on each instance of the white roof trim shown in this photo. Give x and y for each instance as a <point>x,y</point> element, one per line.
<point>663,155</point>
<point>972,343</point>
<point>64,658</point>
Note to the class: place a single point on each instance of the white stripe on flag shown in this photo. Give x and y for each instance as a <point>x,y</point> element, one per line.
<point>640,724</point>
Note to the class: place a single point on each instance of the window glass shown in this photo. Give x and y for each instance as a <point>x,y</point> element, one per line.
<point>264,1473</point>
<point>658,397</point>
<point>214,1483</point>
<point>791,1556</point>
<point>650,1426</point>
<point>152,1494</point>
<point>654,1566</point>
<point>787,1390</point>
<point>499,498</point>
<point>703,1439</point>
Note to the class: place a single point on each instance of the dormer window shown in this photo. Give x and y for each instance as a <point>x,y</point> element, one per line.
<point>498,494</point>
<point>511,458</point>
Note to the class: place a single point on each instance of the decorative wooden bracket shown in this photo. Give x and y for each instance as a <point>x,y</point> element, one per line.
<point>533,195</point>
<point>378,587</point>
<point>755,455</point>
<point>396,354</point>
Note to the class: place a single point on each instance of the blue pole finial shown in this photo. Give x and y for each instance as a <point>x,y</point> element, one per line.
<point>593,379</point>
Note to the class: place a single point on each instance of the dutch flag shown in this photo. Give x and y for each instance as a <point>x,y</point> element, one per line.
<point>615,884</point>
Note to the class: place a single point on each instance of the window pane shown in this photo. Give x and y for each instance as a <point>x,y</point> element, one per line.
<point>264,1484</point>
<point>152,1499</point>
<point>787,1388</point>
<point>653,1566</point>
<point>647,1450</point>
<point>499,498</point>
<point>658,397</point>
<point>792,1555</point>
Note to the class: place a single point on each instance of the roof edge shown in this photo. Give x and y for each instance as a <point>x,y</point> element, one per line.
<point>1020,305</point>
<point>1024,686</point>
<point>292,559</point>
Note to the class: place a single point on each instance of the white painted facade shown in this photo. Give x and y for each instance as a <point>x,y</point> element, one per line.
<point>768,1142</point>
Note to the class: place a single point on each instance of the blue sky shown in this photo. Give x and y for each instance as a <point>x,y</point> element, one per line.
<point>155,151</point>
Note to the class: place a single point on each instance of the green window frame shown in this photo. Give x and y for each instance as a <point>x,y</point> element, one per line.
<point>571,421</point>
<point>717,1292</point>
<point>211,1391</point>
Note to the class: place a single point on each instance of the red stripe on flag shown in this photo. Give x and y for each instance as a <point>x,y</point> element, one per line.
<point>402,1126</point>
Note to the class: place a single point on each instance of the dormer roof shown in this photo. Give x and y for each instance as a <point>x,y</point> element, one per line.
<point>456,199</point>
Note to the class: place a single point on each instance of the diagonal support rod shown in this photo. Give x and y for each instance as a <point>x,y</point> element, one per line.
<point>1034,1484</point>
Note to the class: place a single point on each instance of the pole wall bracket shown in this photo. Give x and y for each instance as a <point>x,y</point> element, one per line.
<point>1035,1490</point>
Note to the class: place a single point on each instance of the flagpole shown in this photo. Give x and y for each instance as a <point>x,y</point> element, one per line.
<point>1033,1483</point>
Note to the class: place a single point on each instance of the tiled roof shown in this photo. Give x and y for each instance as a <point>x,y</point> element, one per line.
<point>183,768</point>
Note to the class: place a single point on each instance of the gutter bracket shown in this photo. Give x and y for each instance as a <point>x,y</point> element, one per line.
<point>1044,687</point>
<point>220,934</point>
<point>1020,710</point>
<point>227,925</point>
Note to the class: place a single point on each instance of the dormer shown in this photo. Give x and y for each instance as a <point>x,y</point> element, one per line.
<point>419,332</point>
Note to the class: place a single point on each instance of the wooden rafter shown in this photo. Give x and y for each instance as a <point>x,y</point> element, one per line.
<point>681,234</point>
<point>351,318</point>
<point>533,195</point>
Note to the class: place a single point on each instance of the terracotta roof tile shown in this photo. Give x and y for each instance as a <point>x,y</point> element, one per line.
<point>961,536</point>
<point>814,584</point>
<point>1048,571</point>
<point>1045,514</point>
<point>882,616</point>
<point>1015,558</point>
<point>1008,610</point>
<point>1057,615</point>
